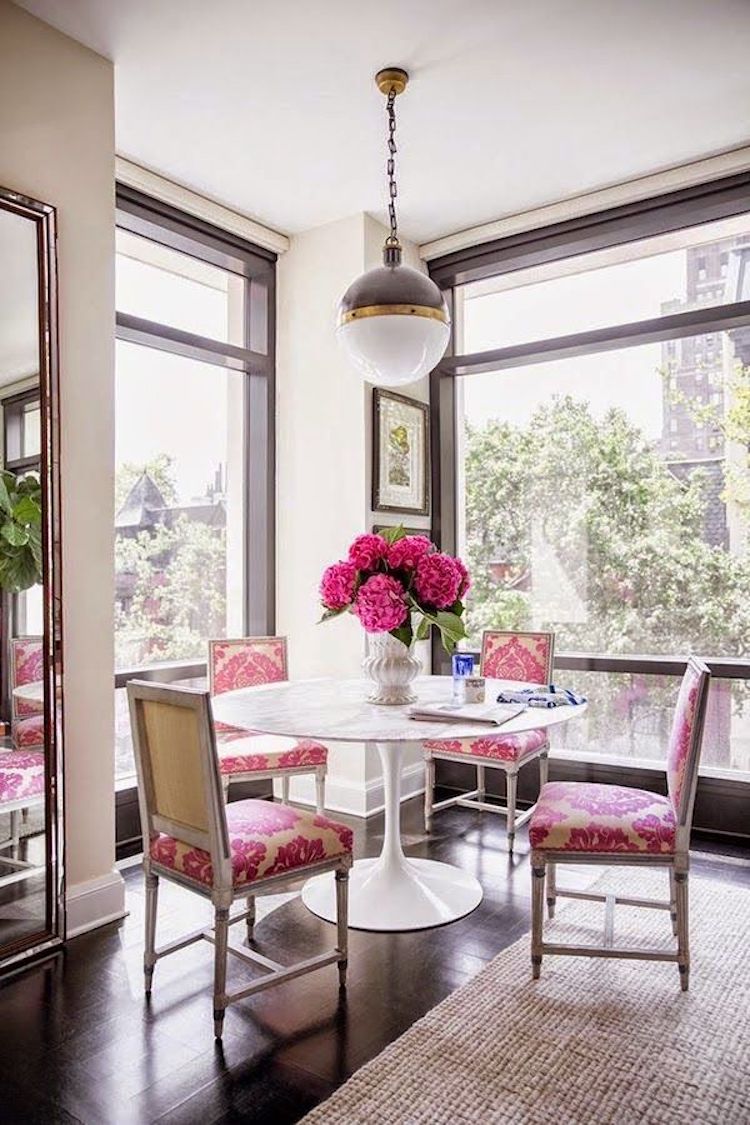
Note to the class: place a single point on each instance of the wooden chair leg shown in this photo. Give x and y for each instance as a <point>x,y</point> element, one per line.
<point>511,783</point>
<point>480,783</point>
<point>320,790</point>
<point>537,914</point>
<point>221,932</point>
<point>672,901</point>
<point>683,943</point>
<point>285,790</point>
<point>250,920</point>
<point>149,955</point>
<point>543,769</point>
<point>429,792</point>
<point>551,888</point>
<point>342,922</point>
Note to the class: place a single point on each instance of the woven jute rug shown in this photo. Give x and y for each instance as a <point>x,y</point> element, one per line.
<point>592,1042</point>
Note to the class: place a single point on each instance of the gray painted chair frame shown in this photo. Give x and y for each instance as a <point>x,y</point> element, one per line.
<point>544,876</point>
<point>475,799</point>
<point>277,773</point>
<point>180,794</point>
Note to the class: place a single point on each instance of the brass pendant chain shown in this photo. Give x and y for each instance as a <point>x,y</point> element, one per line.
<point>392,239</point>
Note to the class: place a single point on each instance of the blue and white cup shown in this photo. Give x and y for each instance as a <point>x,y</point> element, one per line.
<point>463,667</point>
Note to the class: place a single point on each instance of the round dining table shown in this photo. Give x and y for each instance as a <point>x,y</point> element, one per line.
<point>391,892</point>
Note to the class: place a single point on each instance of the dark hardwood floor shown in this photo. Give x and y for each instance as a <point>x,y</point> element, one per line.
<point>79,1042</point>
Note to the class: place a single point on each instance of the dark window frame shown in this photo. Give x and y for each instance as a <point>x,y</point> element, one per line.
<point>177,230</point>
<point>689,207</point>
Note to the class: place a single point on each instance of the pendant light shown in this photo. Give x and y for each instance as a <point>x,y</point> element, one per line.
<point>393,321</point>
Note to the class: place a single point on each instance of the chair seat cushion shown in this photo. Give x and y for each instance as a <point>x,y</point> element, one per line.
<point>257,752</point>
<point>265,839</point>
<point>21,775</point>
<point>500,747</point>
<point>585,817</point>
<point>29,732</point>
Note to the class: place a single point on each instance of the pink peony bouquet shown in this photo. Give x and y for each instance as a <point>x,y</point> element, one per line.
<point>399,584</point>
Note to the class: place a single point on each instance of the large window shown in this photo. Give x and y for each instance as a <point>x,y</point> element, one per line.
<point>601,409</point>
<point>193,456</point>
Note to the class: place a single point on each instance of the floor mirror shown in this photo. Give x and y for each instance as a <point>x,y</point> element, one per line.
<point>31,685</point>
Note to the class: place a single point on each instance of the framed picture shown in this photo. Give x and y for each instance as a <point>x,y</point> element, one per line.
<point>400,453</point>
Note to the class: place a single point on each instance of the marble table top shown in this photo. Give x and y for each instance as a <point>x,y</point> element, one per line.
<point>338,711</point>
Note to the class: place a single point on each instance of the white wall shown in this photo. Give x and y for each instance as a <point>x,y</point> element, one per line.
<point>57,130</point>
<point>324,458</point>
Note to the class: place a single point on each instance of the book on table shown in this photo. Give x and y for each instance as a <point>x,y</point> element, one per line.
<point>491,715</point>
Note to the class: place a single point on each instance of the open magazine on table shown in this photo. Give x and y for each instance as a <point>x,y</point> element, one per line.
<point>491,714</point>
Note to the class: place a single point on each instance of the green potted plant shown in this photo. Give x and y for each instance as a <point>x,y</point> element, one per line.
<point>20,531</point>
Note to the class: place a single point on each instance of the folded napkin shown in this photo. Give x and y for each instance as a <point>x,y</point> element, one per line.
<point>541,697</point>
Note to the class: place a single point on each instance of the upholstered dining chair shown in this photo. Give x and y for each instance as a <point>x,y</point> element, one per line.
<point>222,852</point>
<point>21,788</point>
<point>27,715</point>
<point>581,822</point>
<point>247,755</point>
<point>526,657</point>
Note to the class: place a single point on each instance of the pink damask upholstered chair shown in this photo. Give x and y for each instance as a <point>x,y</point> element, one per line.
<point>27,715</point>
<point>223,852</point>
<point>579,822</point>
<point>525,657</point>
<point>246,755</point>
<point>21,788</point>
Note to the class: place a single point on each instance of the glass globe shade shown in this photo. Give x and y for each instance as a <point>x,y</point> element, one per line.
<point>394,350</point>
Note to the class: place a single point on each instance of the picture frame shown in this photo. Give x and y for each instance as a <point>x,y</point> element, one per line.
<point>400,453</point>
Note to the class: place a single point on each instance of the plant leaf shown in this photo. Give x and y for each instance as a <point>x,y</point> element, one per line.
<point>5,502</point>
<point>451,625</point>
<point>392,534</point>
<point>330,613</point>
<point>14,534</point>
<point>403,633</point>
<point>27,510</point>
<point>423,629</point>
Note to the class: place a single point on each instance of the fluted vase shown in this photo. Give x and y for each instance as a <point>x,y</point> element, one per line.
<point>392,667</point>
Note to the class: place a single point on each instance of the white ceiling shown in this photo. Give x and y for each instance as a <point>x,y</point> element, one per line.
<point>269,106</point>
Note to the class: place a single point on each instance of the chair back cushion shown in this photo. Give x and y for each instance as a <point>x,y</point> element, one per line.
<point>246,662</point>
<point>179,789</point>
<point>683,754</point>
<point>26,667</point>
<point>527,657</point>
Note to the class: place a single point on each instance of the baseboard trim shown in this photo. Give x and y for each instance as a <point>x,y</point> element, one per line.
<point>94,903</point>
<point>354,798</point>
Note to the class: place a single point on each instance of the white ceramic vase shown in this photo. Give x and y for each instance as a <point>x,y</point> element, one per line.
<point>392,667</point>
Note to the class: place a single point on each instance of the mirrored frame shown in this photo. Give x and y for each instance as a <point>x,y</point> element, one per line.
<point>51,932</point>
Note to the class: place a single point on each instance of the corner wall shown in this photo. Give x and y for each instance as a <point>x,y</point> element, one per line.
<point>324,457</point>
<point>57,129</point>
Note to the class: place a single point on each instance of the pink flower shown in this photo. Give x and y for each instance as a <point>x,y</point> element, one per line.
<point>367,551</point>
<point>337,585</point>
<point>465,586</point>
<point>380,604</point>
<point>437,580</point>
<point>405,553</point>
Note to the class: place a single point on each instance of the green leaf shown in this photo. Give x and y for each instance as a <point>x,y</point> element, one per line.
<point>403,633</point>
<point>27,510</point>
<point>5,502</point>
<point>449,644</point>
<point>329,613</point>
<point>18,572</point>
<point>392,534</point>
<point>14,534</point>
<point>451,625</point>
<point>423,629</point>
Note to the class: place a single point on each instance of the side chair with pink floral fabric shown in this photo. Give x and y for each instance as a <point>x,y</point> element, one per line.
<point>247,755</point>
<point>21,788</point>
<point>249,848</point>
<point>582,822</point>
<point>27,716</point>
<point>521,657</point>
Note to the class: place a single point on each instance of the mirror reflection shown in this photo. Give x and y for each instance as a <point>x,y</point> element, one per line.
<point>23,828</point>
